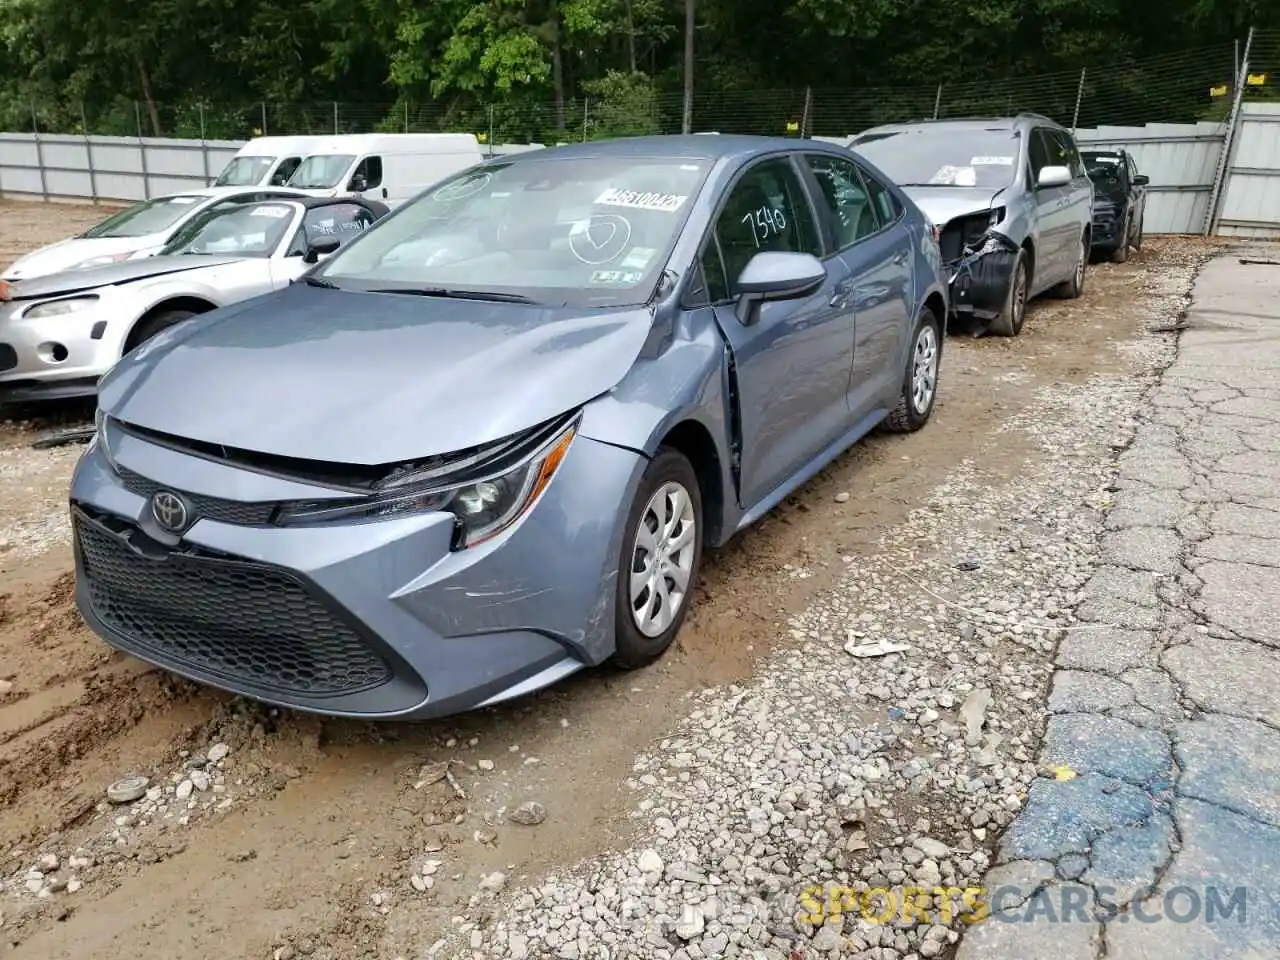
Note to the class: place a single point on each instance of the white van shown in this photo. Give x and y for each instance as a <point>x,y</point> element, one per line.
<point>267,161</point>
<point>391,167</point>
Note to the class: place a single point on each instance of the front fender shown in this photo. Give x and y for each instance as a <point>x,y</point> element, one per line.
<point>136,300</point>
<point>685,383</point>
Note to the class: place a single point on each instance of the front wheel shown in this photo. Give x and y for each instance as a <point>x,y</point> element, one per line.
<point>658,568</point>
<point>1121,253</point>
<point>1009,323</point>
<point>148,328</point>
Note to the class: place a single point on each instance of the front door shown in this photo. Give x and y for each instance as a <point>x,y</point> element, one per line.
<point>792,364</point>
<point>1052,218</point>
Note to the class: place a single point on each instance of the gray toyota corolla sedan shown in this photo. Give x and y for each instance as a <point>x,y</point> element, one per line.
<point>484,445</point>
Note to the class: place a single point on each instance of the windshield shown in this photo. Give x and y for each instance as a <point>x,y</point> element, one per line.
<point>935,156</point>
<point>585,231</point>
<point>244,172</point>
<point>251,230</point>
<point>151,216</point>
<point>321,170</point>
<point>1104,168</point>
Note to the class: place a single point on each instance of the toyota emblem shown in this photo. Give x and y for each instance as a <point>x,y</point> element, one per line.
<point>170,511</point>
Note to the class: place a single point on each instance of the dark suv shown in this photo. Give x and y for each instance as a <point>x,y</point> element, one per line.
<point>1119,203</point>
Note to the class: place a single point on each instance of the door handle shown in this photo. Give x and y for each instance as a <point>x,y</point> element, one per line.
<point>900,257</point>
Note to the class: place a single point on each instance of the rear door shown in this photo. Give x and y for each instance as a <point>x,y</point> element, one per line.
<point>876,281</point>
<point>792,364</point>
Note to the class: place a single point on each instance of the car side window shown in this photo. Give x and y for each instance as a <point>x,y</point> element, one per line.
<point>887,207</point>
<point>714,285</point>
<point>370,168</point>
<point>285,171</point>
<point>766,210</point>
<point>342,221</point>
<point>844,198</point>
<point>1075,161</point>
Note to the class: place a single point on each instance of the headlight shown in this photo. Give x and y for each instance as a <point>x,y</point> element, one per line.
<point>101,261</point>
<point>483,507</point>
<point>100,436</point>
<point>56,308</point>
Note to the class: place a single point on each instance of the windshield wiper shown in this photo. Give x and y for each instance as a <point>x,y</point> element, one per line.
<point>455,294</point>
<point>317,282</point>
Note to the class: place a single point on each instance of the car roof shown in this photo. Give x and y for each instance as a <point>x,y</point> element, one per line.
<point>693,146</point>
<point>1010,123</point>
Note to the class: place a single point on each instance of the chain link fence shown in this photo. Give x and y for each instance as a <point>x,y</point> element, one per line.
<point>1181,87</point>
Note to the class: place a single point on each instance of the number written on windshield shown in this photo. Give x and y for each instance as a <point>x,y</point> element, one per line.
<point>765,222</point>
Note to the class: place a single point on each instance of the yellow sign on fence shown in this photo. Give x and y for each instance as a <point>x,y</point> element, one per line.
<point>1219,91</point>
<point>793,127</point>
<point>1257,79</point>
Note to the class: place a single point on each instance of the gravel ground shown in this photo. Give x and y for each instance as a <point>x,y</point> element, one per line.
<point>687,810</point>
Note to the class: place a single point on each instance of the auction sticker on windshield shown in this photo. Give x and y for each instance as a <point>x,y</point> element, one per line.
<point>641,200</point>
<point>617,276</point>
<point>638,258</point>
<point>991,162</point>
<point>276,213</point>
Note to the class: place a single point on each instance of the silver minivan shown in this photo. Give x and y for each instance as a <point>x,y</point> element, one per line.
<point>1011,205</point>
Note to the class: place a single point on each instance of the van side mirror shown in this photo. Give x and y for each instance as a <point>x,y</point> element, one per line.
<point>320,248</point>
<point>358,183</point>
<point>1054,177</point>
<point>776,275</point>
<point>1141,180</point>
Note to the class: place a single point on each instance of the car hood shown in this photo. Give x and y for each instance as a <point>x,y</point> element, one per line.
<point>370,379</point>
<point>88,278</point>
<point>65,254</point>
<point>943,204</point>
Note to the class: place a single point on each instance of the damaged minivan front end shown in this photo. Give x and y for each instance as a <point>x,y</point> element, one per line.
<point>980,270</point>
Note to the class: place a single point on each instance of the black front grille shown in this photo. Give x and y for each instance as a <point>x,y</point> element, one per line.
<point>8,357</point>
<point>202,507</point>
<point>237,620</point>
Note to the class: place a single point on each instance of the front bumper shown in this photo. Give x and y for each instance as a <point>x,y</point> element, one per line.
<point>979,280</point>
<point>374,620</point>
<point>54,357</point>
<point>1105,233</point>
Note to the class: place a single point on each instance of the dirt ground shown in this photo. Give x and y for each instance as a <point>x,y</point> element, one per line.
<point>303,823</point>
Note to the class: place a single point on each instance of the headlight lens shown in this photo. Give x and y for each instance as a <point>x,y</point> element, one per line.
<point>483,508</point>
<point>56,308</point>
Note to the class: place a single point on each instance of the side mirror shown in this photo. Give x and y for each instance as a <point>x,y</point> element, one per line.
<point>358,184</point>
<point>320,248</point>
<point>1141,180</point>
<point>773,275</point>
<point>1053,177</point>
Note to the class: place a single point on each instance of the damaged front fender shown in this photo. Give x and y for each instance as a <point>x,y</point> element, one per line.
<point>980,279</point>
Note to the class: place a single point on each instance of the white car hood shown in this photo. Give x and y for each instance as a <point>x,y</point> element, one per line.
<point>65,254</point>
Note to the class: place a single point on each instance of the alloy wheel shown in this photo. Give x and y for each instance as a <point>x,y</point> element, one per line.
<point>662,558</point>
<point>924,369</point>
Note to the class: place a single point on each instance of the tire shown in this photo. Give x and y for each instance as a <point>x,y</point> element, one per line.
<point>1121,253</point>
<point>1071,289</point>
<point>1137,239</point>
<point>1009,323</point>
<point>152,325</point>
<point>669,473</point>
<point>913,409</point>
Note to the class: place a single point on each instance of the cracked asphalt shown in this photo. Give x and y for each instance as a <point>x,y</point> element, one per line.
<point>1160,832</point>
